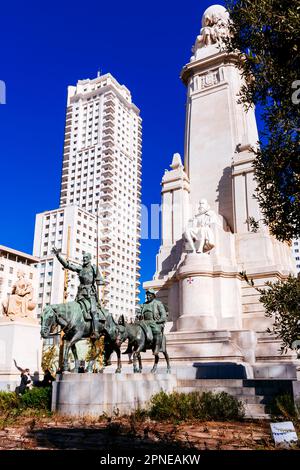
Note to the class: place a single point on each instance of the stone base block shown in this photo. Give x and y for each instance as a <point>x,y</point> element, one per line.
<point>96,394</point>
<point>195,346</point>
<point>201,322</point>
<point>20,341</point>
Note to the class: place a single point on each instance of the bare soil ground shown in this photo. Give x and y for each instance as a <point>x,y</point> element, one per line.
<point>56,432</point>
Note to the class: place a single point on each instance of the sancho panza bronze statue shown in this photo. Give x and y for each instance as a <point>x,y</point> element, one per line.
<point>87,297</point>
<point>154,314</point>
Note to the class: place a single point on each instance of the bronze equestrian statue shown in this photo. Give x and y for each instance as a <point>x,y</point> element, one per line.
<point>86,318</point>
<point>81,319</point>
<point>146,333</point>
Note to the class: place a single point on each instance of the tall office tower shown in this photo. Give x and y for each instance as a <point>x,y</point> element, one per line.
<point>101,174</point>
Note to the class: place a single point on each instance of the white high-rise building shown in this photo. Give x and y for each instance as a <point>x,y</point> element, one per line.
<point>101,180</point>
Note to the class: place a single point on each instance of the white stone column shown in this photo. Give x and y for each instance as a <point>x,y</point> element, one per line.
<point>196,294</point>
<point>175,209</point>
<point>167,222</point>
<point>245,204</point>
<point>215,125</point>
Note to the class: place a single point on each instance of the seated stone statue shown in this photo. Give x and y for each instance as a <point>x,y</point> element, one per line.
<point>199,234</point>
<point>19,303</point>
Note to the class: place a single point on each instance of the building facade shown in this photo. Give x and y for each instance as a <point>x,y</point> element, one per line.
<point>101,179</point>
<point>12,261</point>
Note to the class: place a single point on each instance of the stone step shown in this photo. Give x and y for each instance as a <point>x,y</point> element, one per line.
<point>236,391</point>
<point>253,399</point>
<point>210,382</point>
<point>255,411</point>
<point>256,399</point>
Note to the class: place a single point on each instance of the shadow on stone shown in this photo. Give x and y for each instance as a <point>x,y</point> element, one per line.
<point>220,370</point>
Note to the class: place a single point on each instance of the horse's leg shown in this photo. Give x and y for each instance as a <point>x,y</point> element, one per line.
<point>154,368</point>
<point>91,362</point>
<point>167,361</point>
<point>78,335</point>
<point>141,346</point>
<point>134,360</point>
<point>75,355</point>
<point>165,353</point>
<point>66,355</point>
<point>119,368</point>
<point>108,350</point>
<point>140,362</point>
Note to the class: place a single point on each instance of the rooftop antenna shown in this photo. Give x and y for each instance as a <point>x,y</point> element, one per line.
<point>98,73</point>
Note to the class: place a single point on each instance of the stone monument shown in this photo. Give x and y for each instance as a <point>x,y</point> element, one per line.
<point>19,334</point>
<point>207,203</point>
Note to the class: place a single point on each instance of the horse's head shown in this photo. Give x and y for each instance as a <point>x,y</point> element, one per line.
<point>114,330</point>
<point>48,322</point>
<point>121,335</point>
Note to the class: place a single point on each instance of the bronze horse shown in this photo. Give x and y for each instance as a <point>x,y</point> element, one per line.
<point>70,319</point>
<point>137,342</point>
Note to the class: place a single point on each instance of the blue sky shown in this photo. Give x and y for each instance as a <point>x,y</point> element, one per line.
<point>47,46</point>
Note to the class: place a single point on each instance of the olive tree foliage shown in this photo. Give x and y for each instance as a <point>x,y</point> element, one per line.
<point>266,35</point>
<point>281,301</point>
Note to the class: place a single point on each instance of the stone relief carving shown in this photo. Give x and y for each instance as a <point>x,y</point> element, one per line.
<point>207,80</point>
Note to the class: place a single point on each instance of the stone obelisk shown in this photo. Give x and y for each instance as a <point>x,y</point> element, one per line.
<point>212,312</point>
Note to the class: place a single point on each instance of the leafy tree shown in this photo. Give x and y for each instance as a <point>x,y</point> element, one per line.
<point>281,301</point>
<point>50,358</point>
<point>266,32</point>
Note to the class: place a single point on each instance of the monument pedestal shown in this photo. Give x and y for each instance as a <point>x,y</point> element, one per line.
<point>20,341</point>
<point>109,393</point>
<point>209,293</point>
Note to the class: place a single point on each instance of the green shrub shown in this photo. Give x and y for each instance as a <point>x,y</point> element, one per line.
<point>8,401</point>
<point>283,405</point>
<point>222,406</point>
<point>194,405</point>
<point>37,398</point>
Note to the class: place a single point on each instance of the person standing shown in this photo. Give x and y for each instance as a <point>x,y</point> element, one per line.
<point>25,381</point>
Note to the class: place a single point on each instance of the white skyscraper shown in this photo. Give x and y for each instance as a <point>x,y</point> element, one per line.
<point>101,177</point>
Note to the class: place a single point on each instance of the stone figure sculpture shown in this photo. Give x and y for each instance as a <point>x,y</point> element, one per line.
<point>19,303</point>
<point>214,26</point>
<point>87,297</point>
<point>199,234</point>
